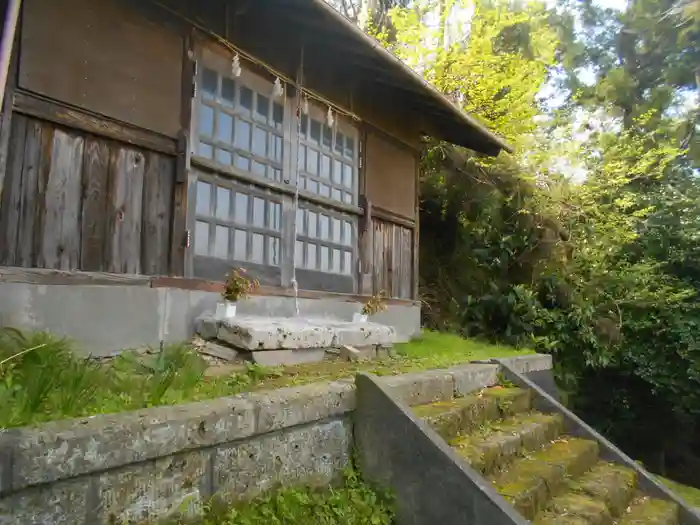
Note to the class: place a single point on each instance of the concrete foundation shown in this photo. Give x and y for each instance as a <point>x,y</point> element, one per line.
<point>104,320</point>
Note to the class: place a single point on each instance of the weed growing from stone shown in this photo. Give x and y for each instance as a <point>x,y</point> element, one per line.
<point>352,503</point>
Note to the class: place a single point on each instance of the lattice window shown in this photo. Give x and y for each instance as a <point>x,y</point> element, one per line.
<point>328,159</point>
<point>236,223</point>
<point>239,124</point>
<point>325,240</point>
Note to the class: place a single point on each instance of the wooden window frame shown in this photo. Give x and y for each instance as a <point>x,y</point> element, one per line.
<point>278,189</point>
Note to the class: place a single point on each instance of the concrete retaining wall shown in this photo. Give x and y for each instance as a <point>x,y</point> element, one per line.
<point>128,467</point>
<point>105,319</point>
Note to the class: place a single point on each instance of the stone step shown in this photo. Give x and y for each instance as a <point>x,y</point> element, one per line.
<point>531,481</point>
<point>650,511</point>
<point>496,444</point>
<point>596,497</point>
<point>465,414</point>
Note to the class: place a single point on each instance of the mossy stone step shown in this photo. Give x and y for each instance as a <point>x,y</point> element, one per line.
<point>496,444</point>
<point>595,497</point>
<point>463,415</point>
<point>533,480</point>
<point>650,511</point>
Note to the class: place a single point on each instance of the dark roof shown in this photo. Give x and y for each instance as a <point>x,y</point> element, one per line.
<point>336,53</point>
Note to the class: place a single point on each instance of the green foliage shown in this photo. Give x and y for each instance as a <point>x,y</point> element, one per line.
<point>352,503</point>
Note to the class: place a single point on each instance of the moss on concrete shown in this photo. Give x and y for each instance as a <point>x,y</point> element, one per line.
<point>496,444</point>
<point>534,479</point>
<point>573,505</point>
<point>462,416</point>
<point>612,484</point>
<point>649,511</point>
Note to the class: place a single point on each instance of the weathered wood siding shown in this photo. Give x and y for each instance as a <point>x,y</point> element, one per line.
<point>117,58</point>
<point>74,201</point>
<point>392,263</point>
<point>390,174</point>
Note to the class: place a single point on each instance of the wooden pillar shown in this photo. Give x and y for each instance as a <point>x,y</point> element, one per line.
<point>8,80</point>
<point>180,250</point>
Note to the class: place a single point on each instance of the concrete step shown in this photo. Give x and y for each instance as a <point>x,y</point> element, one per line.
<point>531,481</point>
<point>496,444</point>
<point>463,415</point>
<point>596,497</point>
<point>649,511</point>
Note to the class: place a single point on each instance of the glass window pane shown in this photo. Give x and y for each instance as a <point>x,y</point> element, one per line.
<point>206,120</point>
<point>258,169</point>
<point>228,91</point>
<point>258,212</point>
<point>260,142</point>
<point>242,135</point>
<point>273,249</point>
<point>224,157</point>
<point>315,131</point>
<point>221,242</point>
<point>256,250</point>
<point>347,175</point>
<point>209,81</point>
<point>325,259</point>
<point>277,115</point>
<point>276,148</point>
<point>325,166</point>
<point>335,230</point>
<point>201,238</point>
<point>241,208</point>
<point>262,108</point>
<point>299,254</point>
<point>224,128</point>
<point>301,158</point>
<point>311,256</point>
<point>323,229</point>
<point>336,261</point>
<point>300,222</point>
<point>274,212</point>
<point>312,161</point>
<point>203,198</point>
<point>304,125</point>
<point>347,233</point>
<point>223,203</point>
<point>347,197</point>
<point>327,137</point>
<point>246,101</point>
<point>312,218</point>
<point>240,241</point>
<point>205,150</point>
<point>337,172</point>
<point>302,183</point>
<point>349,147</point>
<point>339,142</point>
<point>337,195</point>
<point>347,263</point>
<point>325,191</point>
<point>242,162</point>
<point>277,175</point>
<point>312,186</point>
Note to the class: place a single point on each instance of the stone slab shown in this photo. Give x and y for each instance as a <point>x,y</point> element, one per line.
<point>255,333</point>
<point>420,388</point>
<point>62,503</point>
<point>219,351</point>
<point>468,378</point>
<point>293,357</point>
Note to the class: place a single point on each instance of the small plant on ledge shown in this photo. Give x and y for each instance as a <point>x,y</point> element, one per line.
<point>237,286</point>
<point>374,305</point>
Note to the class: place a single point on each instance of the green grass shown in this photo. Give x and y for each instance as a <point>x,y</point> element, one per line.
<point>42,380</point>
<point>690,495</point>
<point>353,503</point>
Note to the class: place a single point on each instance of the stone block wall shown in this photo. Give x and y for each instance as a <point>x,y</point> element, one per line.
<point>148,464</point>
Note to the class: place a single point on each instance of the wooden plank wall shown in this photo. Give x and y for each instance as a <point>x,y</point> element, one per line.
<point>392,259</point>
<point>75,201</point>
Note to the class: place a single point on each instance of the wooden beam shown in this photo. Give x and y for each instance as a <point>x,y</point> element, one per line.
<point>35,106</point>
<point>10,274</point>
<point>394,218</point>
